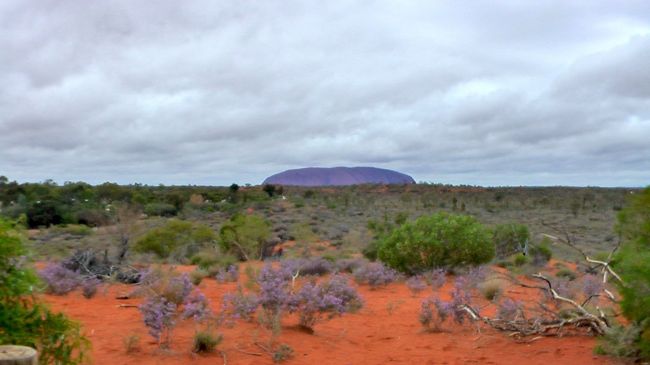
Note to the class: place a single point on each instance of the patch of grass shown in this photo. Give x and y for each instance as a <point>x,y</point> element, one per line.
<point>566,274</point>
<point>206,341</point>
<point>131,343</point>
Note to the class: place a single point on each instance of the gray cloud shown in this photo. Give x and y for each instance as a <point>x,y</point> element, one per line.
<point>495,93</point>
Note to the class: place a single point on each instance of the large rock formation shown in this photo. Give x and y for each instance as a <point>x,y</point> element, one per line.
<point>320,176</point>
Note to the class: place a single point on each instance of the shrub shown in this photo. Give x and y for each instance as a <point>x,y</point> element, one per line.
<point>230,274</point>
<point>315,302</point>
<point>541,253</point>
<point>196,306</point>
<point>439,240</point>
<point>59,280</point>
<point>566,274</point>
<point>159,316</point>
<point>307,267</point>
<point>282,353</point>
<point>633,264</point>
<point>239,305</point>
<point>416,284</point>
<point>433,313</point>
<point>509,309</point>
<point>375,274</point>
<point>198,275</point>
<point>160,209</point>
<point>206,341</point>
<point>131,343</point>
<point>491,291</point>
<point>509,238</point>
<point>173,235</point>
<point>349,265</point>
<point>166,283</point>
<point>520,260</point>
<point>245,236</point>
<point>274,293</point>
<point>89,287</point>
<point>436,278</point>
<point>24,320</point>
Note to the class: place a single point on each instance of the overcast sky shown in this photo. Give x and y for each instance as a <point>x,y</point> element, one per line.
<point>215,92</point>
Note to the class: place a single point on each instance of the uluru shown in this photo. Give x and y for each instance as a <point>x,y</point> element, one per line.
<point>337,176</point>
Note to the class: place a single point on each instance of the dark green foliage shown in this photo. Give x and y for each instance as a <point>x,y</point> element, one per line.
<point>439,240</point>
<point>245,236</point>
<point>509,238</point>
<point>175,234</point>
<point>44,214</point>
<point>520,259</point>
<point>26,321</point>
<point>633,264</point>
<point>160,209</point>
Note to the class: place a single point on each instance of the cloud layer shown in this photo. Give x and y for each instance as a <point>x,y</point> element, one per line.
<point>490,93</point>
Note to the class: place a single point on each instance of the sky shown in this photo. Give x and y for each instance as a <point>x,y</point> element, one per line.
<point>211,92</point>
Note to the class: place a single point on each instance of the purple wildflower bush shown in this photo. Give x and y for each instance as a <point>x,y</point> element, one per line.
<point>159,316</point>
<point>239,305</point>
<point>89,287</point>
<point>509,309</point>
<point>197,307</point>
<point>279,293</point>
<point>229,274</point>
<point>435,311</point>
<point>59,279</point>
<point>436,278</point>
<point>375,274</point>
<point>308,267</point>
<point>416,284</point>
<point>315,302</point>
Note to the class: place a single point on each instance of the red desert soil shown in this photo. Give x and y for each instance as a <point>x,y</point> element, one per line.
<point>385,331</point>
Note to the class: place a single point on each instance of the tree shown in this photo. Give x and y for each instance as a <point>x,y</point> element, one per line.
<point>633,264</point>
<point>510,238</point>
<point>439,240</point>
<point>245,236</point>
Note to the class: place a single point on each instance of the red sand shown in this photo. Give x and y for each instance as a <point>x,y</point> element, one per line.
<point>385,331</point>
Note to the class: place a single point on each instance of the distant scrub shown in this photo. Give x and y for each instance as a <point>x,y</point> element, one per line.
<point>173,235</point>
<point>245,236</point>
<point>439,240</point>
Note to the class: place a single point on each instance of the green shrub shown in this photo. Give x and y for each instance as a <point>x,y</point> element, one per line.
<point>175,234</point>
<point>633,264</point>
<point>439,240</point>
<point>491,290</point>
<point>198,275</point>
<point>245,236</point>
<point>520,259</point>
<point>24,320</point>
<point>566,274</point>
<point>509,238</point>
<point>206,341</point>
<point>160,209</point>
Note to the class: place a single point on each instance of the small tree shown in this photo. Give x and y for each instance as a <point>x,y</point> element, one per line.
<point>633,264</point>
<point>509,239</point>
<point>439,240</point>
<point>245,236</point>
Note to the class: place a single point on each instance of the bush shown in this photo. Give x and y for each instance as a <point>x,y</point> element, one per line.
<point>198,275</point>
<point>89,287</point>
<point>439,240</point>
<point>509,239</point>
<point>159,316</point>
<point>24,320</point>
<point>59,280</point>
<point>375,274</point>
<point>633,264</point>
<point>239,305</point>
<point>230,274</point>
<point>566,274</point>
<point>160,209</point>
<point>245,236</point>
<point>416,284</point>
<point>175,234</point>
<point>520,260</point>
<point>206,341</point>
<point>541,253</point>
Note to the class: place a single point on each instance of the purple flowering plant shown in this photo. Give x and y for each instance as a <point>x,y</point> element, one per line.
<point>59,279</point>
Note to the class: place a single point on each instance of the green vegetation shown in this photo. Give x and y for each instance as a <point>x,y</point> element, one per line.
<point>245,235</point>
<point>175,235</point>
<point>510,238</point>
<point>633,264</point>
<point>439,240</point>
<point>24,320</point>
